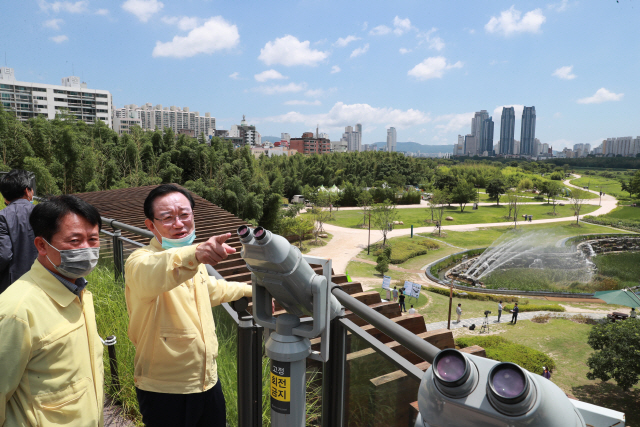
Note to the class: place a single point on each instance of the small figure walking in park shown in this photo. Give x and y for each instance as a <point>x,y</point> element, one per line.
<point>514,317</point>
<point>459,312</point>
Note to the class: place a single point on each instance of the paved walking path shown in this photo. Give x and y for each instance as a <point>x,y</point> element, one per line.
<point>348,242</point>
<point>506,317</point>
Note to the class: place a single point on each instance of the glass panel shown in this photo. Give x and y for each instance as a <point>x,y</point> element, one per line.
<point>378,393</point>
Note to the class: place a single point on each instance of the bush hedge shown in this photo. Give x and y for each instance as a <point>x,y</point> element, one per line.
<point>536,307</point>
<point>477,296</point>
<point>503,350</point>
<point>624,224</point>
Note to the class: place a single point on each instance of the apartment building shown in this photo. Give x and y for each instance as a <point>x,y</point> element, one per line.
<point>309,144</point>
<point>28,99</point>
<point>149,117</point>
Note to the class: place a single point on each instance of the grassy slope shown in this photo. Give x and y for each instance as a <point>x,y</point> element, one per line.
<point>624,213</point>
<point>609,186</point>
<point>485,214</point>
<point>484,237</point>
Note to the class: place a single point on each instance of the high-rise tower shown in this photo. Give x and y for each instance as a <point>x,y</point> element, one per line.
<point>486,137</point>
<point>476,129</point>
<point>507,129</point>
<point>391,139</point>
<point>528,131</point>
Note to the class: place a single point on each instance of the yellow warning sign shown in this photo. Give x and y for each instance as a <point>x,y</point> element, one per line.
<point>280,388</point>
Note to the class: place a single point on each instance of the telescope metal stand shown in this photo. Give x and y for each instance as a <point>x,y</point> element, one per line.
<point>485,325</point>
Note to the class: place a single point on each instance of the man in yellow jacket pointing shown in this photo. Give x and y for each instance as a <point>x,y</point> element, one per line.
<point>51,370</point>
<point>169,298</point>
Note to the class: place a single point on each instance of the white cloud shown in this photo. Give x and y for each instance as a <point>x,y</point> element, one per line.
<point>214,35</point>
<point>434,42</point>
<point>401,26</point>
<point>359,51</point>
<point>433,67</point>
<point>59,39</point>
<point>102,12</point>
<point>559,7</point>
<point>269,75</point>
<point>557,115</point>
<point>290,51</point>
<point>342,115</point>
<point>510,22</point>
<point>277,89</point>
<point>403,51</point>
<point>380,30</point>
<point>54,24</point>
<point>342,42</point>
<point>63,6</point>
<point>454,122</point>
<point>565,73</point>
<point>314,93</point>
<point>302,102</point>
<point>143,9</point>
<point>335,69</point>
<point>601,95</point>
<point>365,25</point>
<point>184,23</point>
<point>235,76</point>
<point>517,109</point>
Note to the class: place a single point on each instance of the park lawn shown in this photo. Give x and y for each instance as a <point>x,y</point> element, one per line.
<point>361,269</point>
<point>421,302</point>
<point>608,185</point>
<point>310,243</point>
<point>411,263</point>
<point>566,342</point>
<point>485,214</point>
<point>485,236</point>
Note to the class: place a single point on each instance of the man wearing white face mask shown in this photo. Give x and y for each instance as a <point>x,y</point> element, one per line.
<point>51,369</point>
<point>169,298</point>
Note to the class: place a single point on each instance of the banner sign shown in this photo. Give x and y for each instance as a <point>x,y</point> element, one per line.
<point>412,289</point>
<point>386,282</point>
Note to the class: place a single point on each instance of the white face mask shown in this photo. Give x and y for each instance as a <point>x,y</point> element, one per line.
<point>75,263</point>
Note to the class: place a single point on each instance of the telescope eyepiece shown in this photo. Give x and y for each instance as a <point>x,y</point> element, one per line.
<point>259,233</point>
<point>244,231</point>
<point>451,368</point>
<point>509,389</point>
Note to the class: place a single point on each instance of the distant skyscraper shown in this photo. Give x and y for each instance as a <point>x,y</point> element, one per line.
<point>528,131</point>
<point>476,129</point>
<point>391,139</point>
<point>359,130</point>
<point>470,148</point>
<point>352,138</point>
<point>486,137</point>
<point>507,126</point>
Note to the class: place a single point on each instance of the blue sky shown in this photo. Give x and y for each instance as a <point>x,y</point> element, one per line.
<point>421,66</point>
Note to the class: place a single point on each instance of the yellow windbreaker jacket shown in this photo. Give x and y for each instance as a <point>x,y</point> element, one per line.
<point>51,371</point>
<point>169,298</point>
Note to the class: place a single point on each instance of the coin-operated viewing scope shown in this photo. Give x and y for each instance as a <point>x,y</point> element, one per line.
<point>464,390</point>
<point>279,270</point>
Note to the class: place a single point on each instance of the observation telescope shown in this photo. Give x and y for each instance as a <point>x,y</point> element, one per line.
<point>458,389</point>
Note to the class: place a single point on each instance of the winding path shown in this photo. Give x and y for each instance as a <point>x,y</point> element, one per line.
<point>348,242</point>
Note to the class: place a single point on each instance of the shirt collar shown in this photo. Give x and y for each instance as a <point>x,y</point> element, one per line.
<point>45,279</point>
<point>75,288</point>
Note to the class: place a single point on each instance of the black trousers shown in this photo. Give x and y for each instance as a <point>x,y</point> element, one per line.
<point>499,314</point>
<point>514,318</point>
<point>206,409</point>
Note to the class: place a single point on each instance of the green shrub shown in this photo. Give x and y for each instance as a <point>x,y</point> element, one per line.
<point>536,307</point>
<point>503,350</point>
<point>404,250</point>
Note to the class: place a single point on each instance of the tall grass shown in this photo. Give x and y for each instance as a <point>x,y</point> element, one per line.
<point>112,319</point>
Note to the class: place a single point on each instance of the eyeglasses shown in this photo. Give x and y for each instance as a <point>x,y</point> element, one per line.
<point>170,220</point>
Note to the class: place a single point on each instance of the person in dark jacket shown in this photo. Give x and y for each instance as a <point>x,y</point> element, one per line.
<point>515,311</point>
<point>17,250</point>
